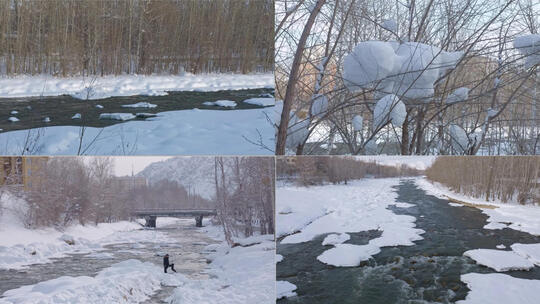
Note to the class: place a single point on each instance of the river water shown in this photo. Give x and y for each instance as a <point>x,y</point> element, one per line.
<point>428,272</point>
<point>60,109</point>
<point>186,251</point>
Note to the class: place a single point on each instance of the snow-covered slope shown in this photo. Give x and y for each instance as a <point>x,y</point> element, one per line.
<point>194,173</point>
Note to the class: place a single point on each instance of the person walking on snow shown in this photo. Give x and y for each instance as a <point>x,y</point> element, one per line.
<point>166,263</point>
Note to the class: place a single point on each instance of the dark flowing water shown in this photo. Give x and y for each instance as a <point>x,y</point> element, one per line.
<point>186,252</point>
<point>425,273</point>
<point>60,109</point>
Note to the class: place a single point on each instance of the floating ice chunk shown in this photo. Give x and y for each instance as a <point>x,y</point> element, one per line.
<point>140,105</point>
<point>499,260</point>
<point>403,205</point>
<point>370,61</point>
<point>221,103</point>
<point>529,46</point>
<point>69,239</point>
<point>13,119</point>
<point>389,108</point>
<point>499,288</point>
<point>348,255</point>
<point>500,246</point>
<point>285,289</point>
<point>99,106</point>
<point>14,112</point>
<point>263,102</point>
<point>47,119</point>
<point>357,123</point>
<point>76,116</point>
<point>529,251</point>
<point>459,138</point>
<point>116,116</point>
<point>459,95</point>
<point>319,106</point>
<point>334,239</point>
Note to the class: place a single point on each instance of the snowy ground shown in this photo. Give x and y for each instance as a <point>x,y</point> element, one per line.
<point>128,85</point>
<point>498,287</point>
<point>171,133</point>
<point>242,274</point>
<point>304,213</point>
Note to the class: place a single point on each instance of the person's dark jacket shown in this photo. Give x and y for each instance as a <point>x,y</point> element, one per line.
<point>165,261</point>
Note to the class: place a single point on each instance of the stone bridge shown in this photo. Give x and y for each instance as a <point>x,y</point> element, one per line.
<point>151,214</point>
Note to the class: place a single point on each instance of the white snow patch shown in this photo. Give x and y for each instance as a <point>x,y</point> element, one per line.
<point>319,106</point>
<point>140,105</point>
<point>357,123</point>
<point>259,101</point>
<point>76,116</point>
<point>117,116</point>
<point>99,106</point>
<point>459,138</point>
<point>499,288</point>
<point>334,239</point>
<point>530,252</point>
<point>13,119</point>
<point>285,289</point>
<point>455,205</point>
<point>348,255</point>
<point>499,260</point>
<point>500,246</point>
<point>221,103</point>
<point>389,108</point>
<point>529,46</point>
<point>419,162</point>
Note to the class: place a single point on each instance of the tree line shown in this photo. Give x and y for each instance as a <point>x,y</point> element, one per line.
<point>317,170</point>
<point>104,37</point>
<point>514,179</point>
<point>70,190</point>
<point>245,195</point>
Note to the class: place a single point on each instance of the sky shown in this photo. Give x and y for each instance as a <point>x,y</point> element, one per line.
<point>123,165</point>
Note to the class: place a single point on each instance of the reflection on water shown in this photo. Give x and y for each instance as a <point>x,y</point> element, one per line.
<point>185,252</point>
<point>427,272</point>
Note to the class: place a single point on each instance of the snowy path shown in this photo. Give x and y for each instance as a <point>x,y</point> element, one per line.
<point>433,269</point>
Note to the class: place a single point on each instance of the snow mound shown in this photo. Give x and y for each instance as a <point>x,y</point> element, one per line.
<point>409,70</point>
<point>263,102</point>
<point>369,62</point>
<point>130,281</point>
<point>334,239</point>
<point>221,103</point>
<point>499,288</point>
<point>459,95</point>
<point>117,116</point>
<point>140,105</point>
<point>285,289</point>
<point>529,46</point>
<point>319,106</point>
<point>499,260</point>
<point>389,108</point>
<point>357,123</point>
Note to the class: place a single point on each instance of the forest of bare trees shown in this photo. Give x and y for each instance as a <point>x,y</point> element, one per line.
<point>486,104</point>
<point>68,190</point>
<point>316,170</point>
<point>102,37</point>
<point>245,195</point>
<point>513,179</point>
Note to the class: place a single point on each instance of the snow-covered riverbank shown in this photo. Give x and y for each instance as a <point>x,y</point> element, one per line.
<point>499,288</point>
<point>128,85</point>
<point>185,132</point>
